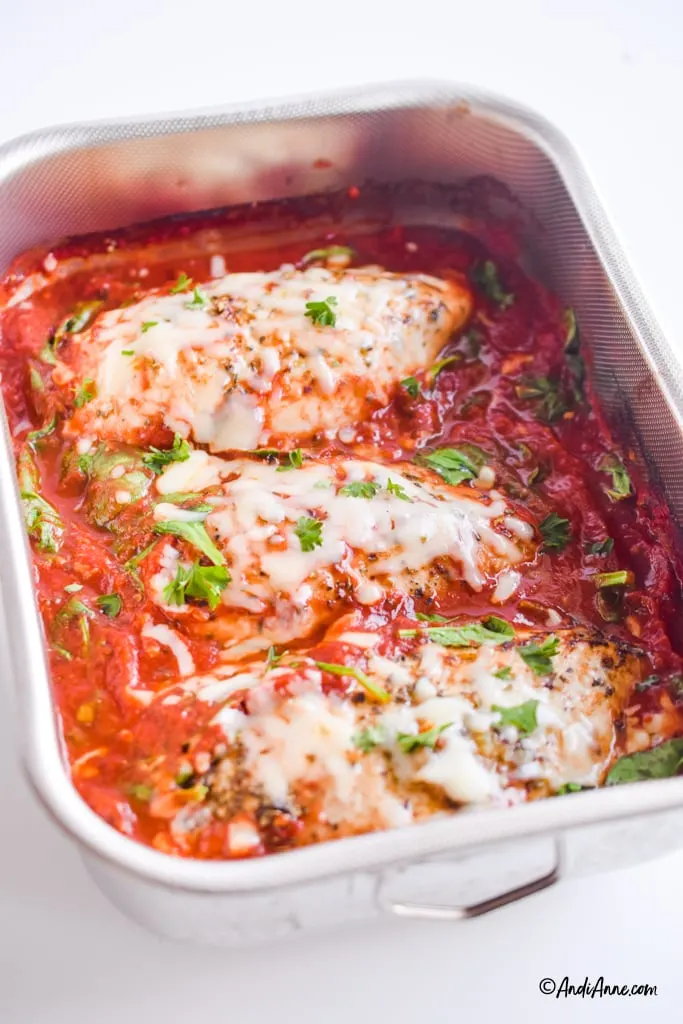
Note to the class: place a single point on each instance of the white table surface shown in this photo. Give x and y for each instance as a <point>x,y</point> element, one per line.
<point>610,73</point>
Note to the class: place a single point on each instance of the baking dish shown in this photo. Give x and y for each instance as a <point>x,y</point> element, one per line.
<point>86,178</point>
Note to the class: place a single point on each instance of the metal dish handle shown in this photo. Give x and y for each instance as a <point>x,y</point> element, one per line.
<point>425,911</point>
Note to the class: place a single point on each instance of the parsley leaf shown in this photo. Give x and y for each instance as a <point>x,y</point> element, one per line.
<point>322,255</point>
<point>601,547</point>
<point>202,582</point>
<point>423,617</point>
<point>85,394</point>
<point>570,787</point>
<point>349,670</point>
<point>195,534</point>
<point>295,460</point>
<point>182,284</point>
<point>522,716</point>
<point>111,604</point>
<point>34,436</point>
<point>410,384</point>
<point>272,658</point>
<point>660,762</point>
<point>309,531</point>
<point>367,739</point>
<point>321,313</point>
<point>442,364</point>
<point>452,464</point>
<point>503,673</point>
<point>538,656</point>
<point>545,395</point>
<point>198,300</point>
<point>397,490</point>
<point>621,482</point>
<point>42,520</point>
<point>485,276</point>
<point>491,631</point>
<point>157,458</point>
<point>556,532</point>
<point>409,742</point>
<point>144,327</point>
<point>360,489</point>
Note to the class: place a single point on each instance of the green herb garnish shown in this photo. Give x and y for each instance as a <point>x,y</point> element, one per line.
<point>503,673</point>
<point>310,533</point>
<point>411,385</point>
<point>196,535</point>
<point>360,489</point>
<point>485,276</point>
<point>397,490</point>
<point>521,716</point>
<point>34,436</point>
<point>202,582</point>
<point>295,460</point>
<point>111,604</point>
<point>453,464</point>
<point>556,532</point>
<point>42,520</point>
<point>85,394</point>
<point>367,739</point>
<point>349,670</point>
<point>198,300</point>
<point>491,631</point>
<point>538,656</point>
<point>601,547</point>
<point>544,393</point>
<point>621,482</point>
<point>158,458</point>
<point>409,742</point>
<point>147,325</point>
<point>660,762</point>
<point>570,787</point>
<point>321,313</point>
<point>182,284</point>
<point>436,369</point>
<point>619,578</point>
<point>424,617</point>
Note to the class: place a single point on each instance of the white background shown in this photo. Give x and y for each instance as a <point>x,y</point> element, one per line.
<point>610,73</point>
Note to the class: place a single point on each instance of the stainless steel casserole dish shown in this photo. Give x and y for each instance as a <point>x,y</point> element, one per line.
<point>90,177</point>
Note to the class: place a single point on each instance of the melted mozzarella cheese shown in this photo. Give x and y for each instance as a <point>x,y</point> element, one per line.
<point>371,543</point>
<point>294,740</point>
<point>244,364</point>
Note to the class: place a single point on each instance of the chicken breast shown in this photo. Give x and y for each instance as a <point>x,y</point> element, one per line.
<point>299,543</point>
<point>253,359</point>
<point>375,730</point>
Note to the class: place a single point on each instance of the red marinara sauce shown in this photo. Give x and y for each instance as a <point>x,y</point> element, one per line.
<point>512,383</point>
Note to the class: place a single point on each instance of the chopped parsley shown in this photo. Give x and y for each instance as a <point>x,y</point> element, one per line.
<point>73,588</point>
<point>660,762</point>
<point>322,255</point>
<point>571,787</point>
<point>360,489</point>
<point>198,300</point>
<point>544,393</point>
<point>158,458</point>
<point>453,464</point>
<point>127,352</point>
<point>538,656</point>
<point>310,533</point>
<point>321,313</point>
<point>647,683</point>
<point>34,436</point>
<point>442,364</point>
<point>601,547</point>
<point>397,490</point>
<point>621,482</point>
<point>195,534</point>
<point>503,673</point>
<point>295,460</point>
<point>424,617</point>
<point>491,630</point>
<point>42,520</point>
<point>521,716</point>
<point>556,532</point>
<point>349,670</point>
<point>408,742</point>
<point>85,394</point>
<point>83,314</point>
<point>367,739</point>
<point>146,326</point>
<point>411,385</point>
<point>202,582</point>
<point>111,604</point>
<point>182,284</point>
<point>485,275</point>
<point>272,658</point>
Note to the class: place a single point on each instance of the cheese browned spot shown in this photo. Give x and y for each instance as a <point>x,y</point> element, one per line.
<point>242,366</point>
<point>410,532</point>
<point>347,767</point>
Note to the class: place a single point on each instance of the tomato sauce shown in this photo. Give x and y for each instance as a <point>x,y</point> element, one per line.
<point>517,387</point>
